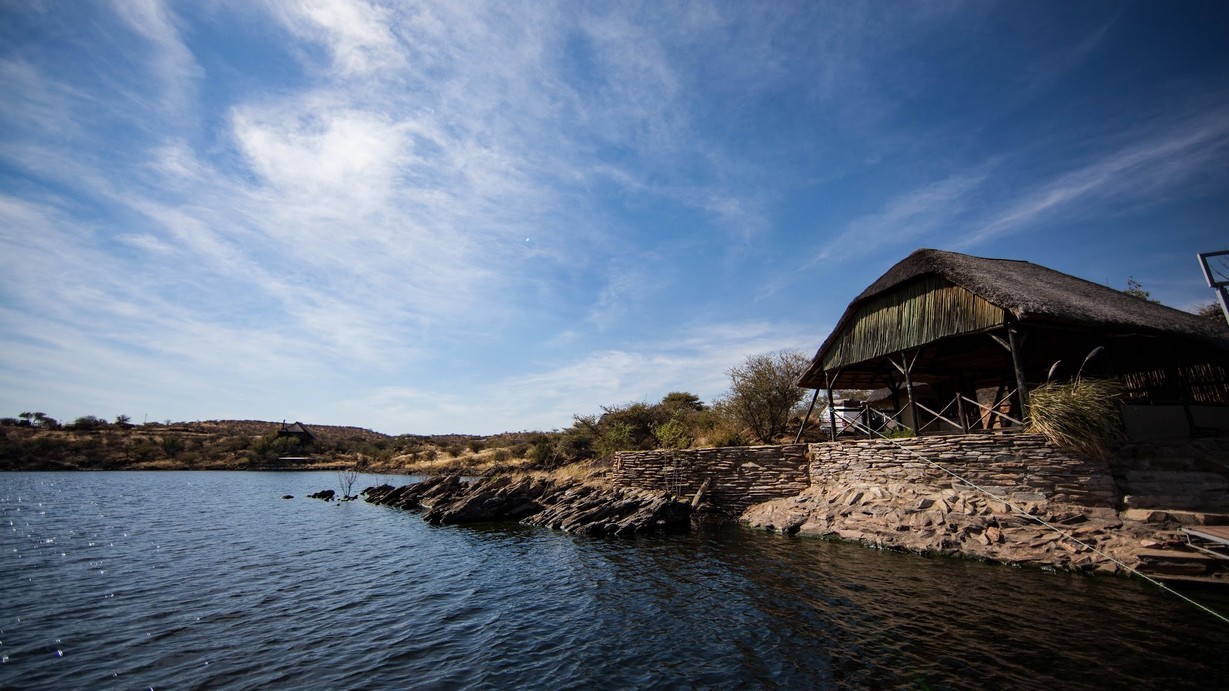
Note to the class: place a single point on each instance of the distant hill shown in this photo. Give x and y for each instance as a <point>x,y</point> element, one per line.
<point>248,445</point>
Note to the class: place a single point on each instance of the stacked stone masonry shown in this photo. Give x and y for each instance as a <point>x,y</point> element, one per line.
<point>738,477</point>
<point>911,494</point>
<point>1016,467</point>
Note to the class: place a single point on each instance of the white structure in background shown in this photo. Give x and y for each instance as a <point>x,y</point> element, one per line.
<point>1215,267</point>
<point>854,417</point>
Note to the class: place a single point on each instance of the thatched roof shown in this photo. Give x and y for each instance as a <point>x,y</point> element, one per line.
<point>1032,292</point>
<point>296,429</point>
<point>987,294</point>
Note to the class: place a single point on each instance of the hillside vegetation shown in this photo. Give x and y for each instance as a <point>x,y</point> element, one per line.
<point>247,445</point>
<point>760,408</point>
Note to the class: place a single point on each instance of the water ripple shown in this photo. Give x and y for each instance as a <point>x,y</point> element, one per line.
<point>208,580</point>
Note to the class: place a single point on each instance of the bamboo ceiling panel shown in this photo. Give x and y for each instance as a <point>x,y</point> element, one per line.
<point>918,312</point>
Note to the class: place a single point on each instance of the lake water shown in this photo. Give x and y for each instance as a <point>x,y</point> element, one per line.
<point>210,579</point>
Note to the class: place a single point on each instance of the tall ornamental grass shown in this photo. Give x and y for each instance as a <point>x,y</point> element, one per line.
<point>1081,415</point>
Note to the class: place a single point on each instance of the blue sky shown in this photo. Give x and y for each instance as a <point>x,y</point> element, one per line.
<point>478,217</point>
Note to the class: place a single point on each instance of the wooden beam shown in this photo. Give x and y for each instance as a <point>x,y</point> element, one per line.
<point>1014,341</point>
<point>806,417</point>
<point>906,368</point>
<point>831,406</point>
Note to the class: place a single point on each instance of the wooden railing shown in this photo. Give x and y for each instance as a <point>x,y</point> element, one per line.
<point>872,421</point>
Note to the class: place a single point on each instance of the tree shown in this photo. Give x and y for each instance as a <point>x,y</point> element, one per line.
<point>41,420</point>
<point>87,422</point>
<point>682,400</point>
<point>1211,312</point>
<point>1135,289</point>
<point>347,478</point>
<point>123,421</point>
<point>763,391</point>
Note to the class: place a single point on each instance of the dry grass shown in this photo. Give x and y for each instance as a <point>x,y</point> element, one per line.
<point>480,463</point>
<point>1081,415</point>
<point>584,471</point>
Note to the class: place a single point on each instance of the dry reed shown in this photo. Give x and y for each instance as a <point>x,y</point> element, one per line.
<point>1081,415</point>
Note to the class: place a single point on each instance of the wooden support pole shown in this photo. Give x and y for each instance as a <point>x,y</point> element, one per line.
<point>831,404</point>
<point>906,368</point>
<point>806,417</point>
<point>917,421</point>
<point>1017,362</point>
<point>1184,391</point>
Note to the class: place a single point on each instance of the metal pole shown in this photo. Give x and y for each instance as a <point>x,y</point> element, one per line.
<point>1221,287</point>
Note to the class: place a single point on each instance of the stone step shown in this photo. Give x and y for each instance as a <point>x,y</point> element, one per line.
<point>1181,516</point>
<point>1220,579</point>
<point>1174,555</point>
<point>1176,562</point>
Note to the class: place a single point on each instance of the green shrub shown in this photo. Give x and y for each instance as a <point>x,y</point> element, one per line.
<point>674,434</point>
<point>88,422</point>
<point>726,436</point>
<point>171,445</point>
<point>618,436</point>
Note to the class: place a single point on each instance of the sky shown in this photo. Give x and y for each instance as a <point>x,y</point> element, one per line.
<point>473,217</point>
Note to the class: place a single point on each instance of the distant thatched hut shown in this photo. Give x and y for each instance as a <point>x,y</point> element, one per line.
<point>297,430</point>
<point>967,325</point>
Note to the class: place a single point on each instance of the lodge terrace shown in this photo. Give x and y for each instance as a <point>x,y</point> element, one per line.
<point>955,342</point>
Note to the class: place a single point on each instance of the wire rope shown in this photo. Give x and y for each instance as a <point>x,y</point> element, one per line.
<point>1037,519</point>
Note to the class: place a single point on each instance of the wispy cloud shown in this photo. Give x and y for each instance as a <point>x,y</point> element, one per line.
<point>172,60</point>
<point>549,394</point>
<point>1144,168</point>
<point>908,218</point>
<point>448,202</point>
<point>357,34</point>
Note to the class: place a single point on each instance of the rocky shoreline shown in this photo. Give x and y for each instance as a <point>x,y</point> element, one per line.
<point>956,522</point>
<point>962,522</point>
<point>567,505</point>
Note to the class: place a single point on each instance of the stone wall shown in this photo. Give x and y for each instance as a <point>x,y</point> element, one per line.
<point>1014,466</point>
<point>1188,474</point>
<point>739,477</point>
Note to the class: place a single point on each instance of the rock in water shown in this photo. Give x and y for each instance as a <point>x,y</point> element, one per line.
<point>565,505</point>
<point>325,494</point>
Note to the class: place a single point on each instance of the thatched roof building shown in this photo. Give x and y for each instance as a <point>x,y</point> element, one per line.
<point>964,323</point>
<point>298,430</point>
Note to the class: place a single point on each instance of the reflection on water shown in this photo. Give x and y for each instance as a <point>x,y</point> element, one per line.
<point>126,580</point>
